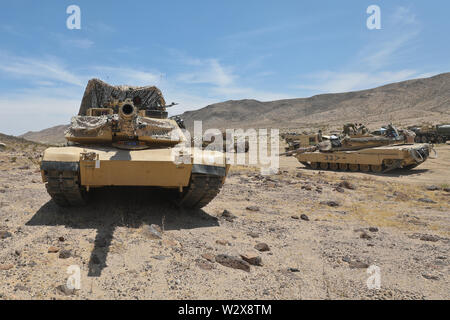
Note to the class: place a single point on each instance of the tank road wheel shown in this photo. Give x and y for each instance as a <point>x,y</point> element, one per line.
<point>343,166</point>
<point>324,165</point>
<point>376,168</point>
<point>334,166</point>
<point>314,165</point>
<point>202,189</point>
<point>64,189</point>
<point>353,167</point>
<point>364,167</point>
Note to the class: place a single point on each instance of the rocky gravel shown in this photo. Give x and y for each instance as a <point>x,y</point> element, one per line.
<point>263,237</point>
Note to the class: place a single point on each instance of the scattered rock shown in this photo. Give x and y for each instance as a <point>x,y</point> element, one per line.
<point>64,254</point>
<point>24,167</point>
<point>152,231</point>
<point>295,217</point>
<point>233,262</point>
<point>62,289</point>
<point>331,203</point>
<point>373,229</point>
<point>430,277</point>
<point>293,270</point>
<point>299,175</point>
<point>252,258</point>
<point>227,215</point>
<point>339,189</point>
<point>4,267</point>
<point>5,234</point>
<point>304,217</point>
<point>358,265</point>
<point>253,234</point>
<point>261,246</point>
<point>160,257</point>
<point>426,200</point>
<point>347,185</point>
<point>365,235</point>
<point>61,239</point>
<point>307,187</point>
<point>17,252</point>
<point>53,250</point>
<point>19,287</point>
<point>432,188</point>
<point>252,208</point>
<point>223,242</point>
<point>204,265</point>
<point>208,256</point>
<point>346,259</point>
<point>428,237</point>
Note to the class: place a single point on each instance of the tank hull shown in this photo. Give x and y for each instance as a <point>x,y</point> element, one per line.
<point>376,159</point>
<point>74,170</point>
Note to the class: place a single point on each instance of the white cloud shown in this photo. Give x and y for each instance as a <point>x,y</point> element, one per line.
<point>126,75</point>
<point>370,67</point>
<point>403,16</point>
<point>79,43</point>
<point>37,69</point>
<point>208,71</point>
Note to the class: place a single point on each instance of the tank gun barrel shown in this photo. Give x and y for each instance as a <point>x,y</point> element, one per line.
<point>300,150</point>
<point>127,119</point>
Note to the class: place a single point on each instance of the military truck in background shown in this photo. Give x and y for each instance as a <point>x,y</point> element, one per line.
<point>431,133</point>
<point>122,137</point>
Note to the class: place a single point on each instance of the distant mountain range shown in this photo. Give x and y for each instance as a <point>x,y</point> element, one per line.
<point>402,103</point>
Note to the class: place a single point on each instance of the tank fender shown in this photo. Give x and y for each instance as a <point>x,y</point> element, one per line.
<point>60,166</point>
<point>209,170</point>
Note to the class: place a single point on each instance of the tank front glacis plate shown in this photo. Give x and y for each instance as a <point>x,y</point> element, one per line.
<point>115,167</point>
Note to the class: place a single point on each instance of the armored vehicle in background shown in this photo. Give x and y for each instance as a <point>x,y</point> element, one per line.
<point>122,137</point>
<point>432,134</point>
<point>299,140</point>
<point>359,151</point>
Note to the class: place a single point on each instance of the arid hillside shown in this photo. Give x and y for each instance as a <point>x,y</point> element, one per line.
<point>404,103</point>
<point>53,135</point>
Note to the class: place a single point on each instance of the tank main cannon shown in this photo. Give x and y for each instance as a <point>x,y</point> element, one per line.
<point>128,118</point>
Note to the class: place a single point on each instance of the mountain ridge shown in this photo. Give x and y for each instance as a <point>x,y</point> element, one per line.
<point>404,103</point>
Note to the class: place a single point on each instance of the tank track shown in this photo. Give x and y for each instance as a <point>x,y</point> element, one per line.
<point>64,189</point>
<point>384,168</point>
<point>202,189</point>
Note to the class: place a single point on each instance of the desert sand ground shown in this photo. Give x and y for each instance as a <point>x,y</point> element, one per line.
<point>321,237</point>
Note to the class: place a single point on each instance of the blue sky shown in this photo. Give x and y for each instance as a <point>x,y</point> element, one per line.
<point>201,52</point>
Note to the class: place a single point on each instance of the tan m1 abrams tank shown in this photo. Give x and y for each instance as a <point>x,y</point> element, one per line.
<point>365,152</point>
<point>122,137</point>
